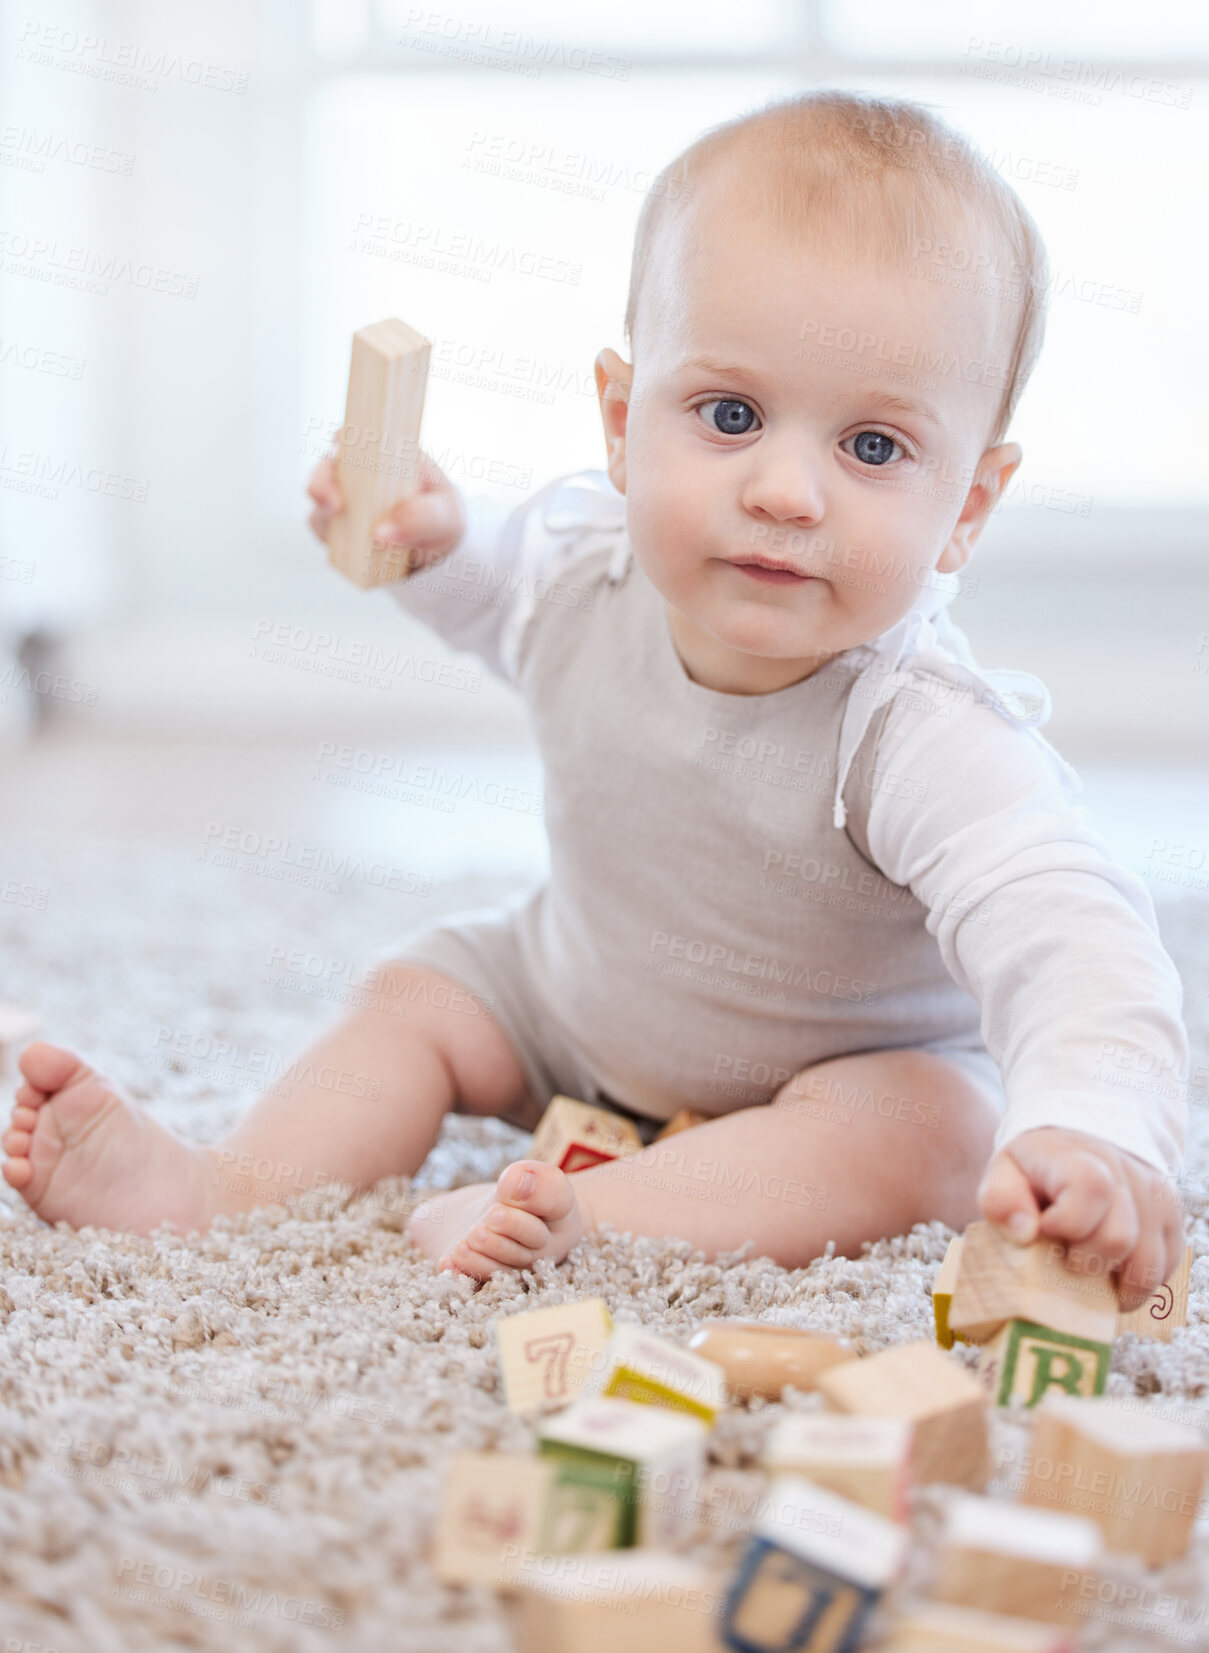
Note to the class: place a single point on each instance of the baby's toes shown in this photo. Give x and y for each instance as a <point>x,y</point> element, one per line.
<point>481,1255</point>
<point>509,1222</point>
<point>533,1186</point>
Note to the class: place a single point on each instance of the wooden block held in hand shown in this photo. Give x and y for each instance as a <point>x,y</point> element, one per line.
<point>934,1392</point>
<point>493,1504</point>
<point>1026,1362</point>
<point>641,1366</point>
<point>378,448</point>
<point>815,1566</point>
<point>942,1293</point>
<point>759,1359</point>
<point>1166,1310</point>
<point>577,1135</point>
<point>18,1027</point>
<point>1138,1475</point>
<point>998,1280</point>
<point>865,1459</point>
<point>1005,1558</point>
<point>548,1355</point>
<point>939,1627</point>
<point>627,1601</point>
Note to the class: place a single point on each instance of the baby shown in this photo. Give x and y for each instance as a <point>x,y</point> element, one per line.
<point>813,873</point>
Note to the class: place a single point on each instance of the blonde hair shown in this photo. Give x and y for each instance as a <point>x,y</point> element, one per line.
<point>883,176</point>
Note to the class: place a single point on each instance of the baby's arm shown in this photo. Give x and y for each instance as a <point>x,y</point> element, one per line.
<point>478,565</point>
<point>1080,1003</point>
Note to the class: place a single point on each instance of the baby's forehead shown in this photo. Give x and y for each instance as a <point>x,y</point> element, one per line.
<point>943,302</point>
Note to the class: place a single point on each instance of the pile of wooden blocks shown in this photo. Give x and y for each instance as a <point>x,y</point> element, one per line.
<point>588,1533</point>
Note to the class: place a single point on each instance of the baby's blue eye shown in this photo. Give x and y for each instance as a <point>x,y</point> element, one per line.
<point>731,417</point>
<point>873,447</point>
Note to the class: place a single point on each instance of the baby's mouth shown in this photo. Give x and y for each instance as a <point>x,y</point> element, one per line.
<point>772,574</point>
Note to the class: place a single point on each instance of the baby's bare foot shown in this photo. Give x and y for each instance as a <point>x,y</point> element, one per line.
<point>533,1211</point>
<point>79,1153</point>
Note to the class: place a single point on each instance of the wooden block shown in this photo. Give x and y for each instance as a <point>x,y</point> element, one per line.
<point>865,1459</point>
<point>1006,1558</point>
<point>942,1293</point>
<point>1167,1310</point>
<point>1025,1362</point>
<point>631,1472</point>
<point>18,1027</point>
<point>654,1371</point>
<point>998,1280</point>
<point>937,1627</point>
<point>378,448</point>
<point>758,1359</point>
<point>629,1601</point>
<point>684,1120</point>
<point>946,1406</point>
<point>577,1135</point>
<point>813,1570</point>
<point>492,1503</point>
<point>548,1355</point>
<point>1137,1475</point>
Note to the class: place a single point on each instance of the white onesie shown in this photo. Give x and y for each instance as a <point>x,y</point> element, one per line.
<point>881,855</point>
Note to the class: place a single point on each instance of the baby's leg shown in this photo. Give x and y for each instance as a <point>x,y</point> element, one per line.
<point>364,1102</point>
<point>854,1148</point>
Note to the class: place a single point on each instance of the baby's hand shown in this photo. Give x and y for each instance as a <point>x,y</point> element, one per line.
<point>430,523</point>
<point>1105,1204</point>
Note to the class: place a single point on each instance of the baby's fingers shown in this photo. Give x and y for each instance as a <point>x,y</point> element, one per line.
<point>324,489</point>
<point>1097,1216</point>
<point>1005,1197</point>
<point>1144,1271</point>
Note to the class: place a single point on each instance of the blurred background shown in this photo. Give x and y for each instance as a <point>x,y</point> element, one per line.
<point>198,205</point>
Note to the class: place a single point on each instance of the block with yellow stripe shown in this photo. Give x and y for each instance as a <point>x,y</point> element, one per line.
<point>654,1371</point>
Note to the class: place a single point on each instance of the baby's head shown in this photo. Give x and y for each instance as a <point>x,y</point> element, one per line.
<point>835,304</point>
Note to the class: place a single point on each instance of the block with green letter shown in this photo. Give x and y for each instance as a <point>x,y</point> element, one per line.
<point>1026,1362</point>
<point>626,1472</point>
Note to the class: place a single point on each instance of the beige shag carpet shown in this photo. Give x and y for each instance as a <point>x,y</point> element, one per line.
<point>237,1442</point>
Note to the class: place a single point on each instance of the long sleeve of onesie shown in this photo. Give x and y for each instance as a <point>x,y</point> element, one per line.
<point>465,598</point>
<point>482,595</point>
<point>1080,1003</point>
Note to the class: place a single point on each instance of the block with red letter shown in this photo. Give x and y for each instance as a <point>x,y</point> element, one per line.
<point>548,1355</point>
<point>492,1504</point>
<point>577,1135</point>
<point>378,448</point>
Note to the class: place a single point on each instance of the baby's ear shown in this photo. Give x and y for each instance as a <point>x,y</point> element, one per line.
<point>613,379</point>
<point>991,476</point>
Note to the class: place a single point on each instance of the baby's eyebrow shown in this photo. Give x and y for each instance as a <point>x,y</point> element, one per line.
<point>711,364</point>
<point>902,404</point>
<point>886,399</point>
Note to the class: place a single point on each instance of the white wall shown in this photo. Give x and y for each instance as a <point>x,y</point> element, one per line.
<point>209,404</point>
